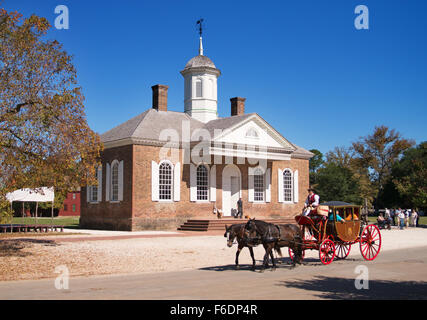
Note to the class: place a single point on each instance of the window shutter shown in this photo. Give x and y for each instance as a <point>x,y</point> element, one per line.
<point>268,185</point>
<point>177,182</point>
<point>120,195</point>
<point>296,184</point>
<point>88,193</point>
<point>193,183</point>
<point>99,183</point>
<point>107,183</point>
<point>251,184</point>
<point>280,185</point>
<point>154,181</point>
<point>213,183</point>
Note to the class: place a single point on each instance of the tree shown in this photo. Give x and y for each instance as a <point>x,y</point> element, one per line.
<point>409,176</point>
<point>44,136</point>
<point>376,154</point>
<point>315,163</point>
<point>335,182</point>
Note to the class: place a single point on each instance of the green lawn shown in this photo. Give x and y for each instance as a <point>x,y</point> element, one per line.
<point>69,222</point>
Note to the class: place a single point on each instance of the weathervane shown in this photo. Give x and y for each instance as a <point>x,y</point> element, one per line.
<point>199,22</point>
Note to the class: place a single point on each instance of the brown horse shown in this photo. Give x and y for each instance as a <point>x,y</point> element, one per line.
<point>242,236</point>
<point>238,232</point>
<point>276,236</point>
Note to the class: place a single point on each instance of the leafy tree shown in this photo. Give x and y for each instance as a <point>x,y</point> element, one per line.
<point>335,182</point>
<point>315,163</point>
<point>376,154</point>
<point>44,136</point>
<point>409,176</point>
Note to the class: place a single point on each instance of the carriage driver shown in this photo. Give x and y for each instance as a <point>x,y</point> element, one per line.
<point>312,202</point>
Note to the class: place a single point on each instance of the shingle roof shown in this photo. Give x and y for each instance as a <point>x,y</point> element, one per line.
<point>200,61</point>
<point>149,124</point>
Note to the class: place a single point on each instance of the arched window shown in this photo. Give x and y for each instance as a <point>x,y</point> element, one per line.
<point>165,181</point>
<point>252,133</point>
<point>199,88</point>
<point>287,185</point>
<point>115,181</point>
<point>202,183</point>
<point>258,185</point>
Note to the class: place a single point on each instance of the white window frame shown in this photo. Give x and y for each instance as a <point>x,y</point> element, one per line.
<point>171,181</point>
<point>94,189</point>
<point>250,136</point>
<point>262,175</point>
<point>292,185</point>
<point>207,183</point>
<point>113,164</point>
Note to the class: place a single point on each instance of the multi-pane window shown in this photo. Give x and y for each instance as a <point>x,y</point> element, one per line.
<point>202,183</point>
<point>165,181</point>
<point>93,190</point>
<point>287,185</point>
<point>115,182</point>
<point>258,185</point>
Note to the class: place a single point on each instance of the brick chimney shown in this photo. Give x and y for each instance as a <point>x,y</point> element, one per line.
<point>237,106</point>
<point>160,97</point>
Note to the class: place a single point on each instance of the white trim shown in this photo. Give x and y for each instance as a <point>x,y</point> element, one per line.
<point>296,187</point>
<point>268,185</point>
<point>154,181</point>
<point>193,183</point>
<point>177,182</point>
<point>280,185</point>
<point>212,191</point>
<point>107,182</point>
<point>120,191</point>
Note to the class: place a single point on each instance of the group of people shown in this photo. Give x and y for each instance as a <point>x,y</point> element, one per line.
<point>402,217</point>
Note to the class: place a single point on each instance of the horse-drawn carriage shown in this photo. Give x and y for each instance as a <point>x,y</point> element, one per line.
<point>334,229</point>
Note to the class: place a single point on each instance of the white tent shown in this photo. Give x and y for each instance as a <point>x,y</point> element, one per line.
<point>43,194</point>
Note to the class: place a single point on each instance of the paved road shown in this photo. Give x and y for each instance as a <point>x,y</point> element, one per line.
<point>397,274</point>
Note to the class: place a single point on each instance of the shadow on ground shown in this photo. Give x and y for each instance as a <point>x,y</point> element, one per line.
<point>15,247</point>
<point>342,288</point>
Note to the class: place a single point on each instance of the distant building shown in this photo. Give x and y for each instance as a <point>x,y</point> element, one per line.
<point>71,205</point>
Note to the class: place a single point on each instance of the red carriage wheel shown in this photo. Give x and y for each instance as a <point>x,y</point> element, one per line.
<point>370,242</point>
<point>291,254</point>
<point>342,250</point>
<point>327,251</point>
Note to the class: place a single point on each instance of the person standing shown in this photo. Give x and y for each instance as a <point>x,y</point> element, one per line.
<point>401,219</point>
<point>392,214</point>
<point>239,208</point>
<point>414,218</point>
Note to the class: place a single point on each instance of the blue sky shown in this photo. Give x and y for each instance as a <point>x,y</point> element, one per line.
<point>301,65</point>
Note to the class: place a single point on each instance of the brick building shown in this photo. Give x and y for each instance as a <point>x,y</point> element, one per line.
<point>71,206</point>
<point>163,167</point>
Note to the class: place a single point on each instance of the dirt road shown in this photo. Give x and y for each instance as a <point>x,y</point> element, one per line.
<point>395,274</point>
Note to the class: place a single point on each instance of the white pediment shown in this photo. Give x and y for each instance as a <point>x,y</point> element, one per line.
<point>254,131</point>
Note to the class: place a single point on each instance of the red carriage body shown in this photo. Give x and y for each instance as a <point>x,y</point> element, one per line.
<point>334,234</point>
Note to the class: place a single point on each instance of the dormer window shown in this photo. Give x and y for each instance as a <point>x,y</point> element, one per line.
<point>252,133</point>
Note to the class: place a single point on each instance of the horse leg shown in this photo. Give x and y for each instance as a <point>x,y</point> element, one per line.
<point>272,258</point>
<point>239,248</point>
<point>251,250</point>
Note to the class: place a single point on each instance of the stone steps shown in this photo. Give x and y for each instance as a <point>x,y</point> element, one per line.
<point>219,224</point>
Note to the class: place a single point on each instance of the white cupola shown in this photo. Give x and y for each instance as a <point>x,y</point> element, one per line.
<point>200,87</point>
